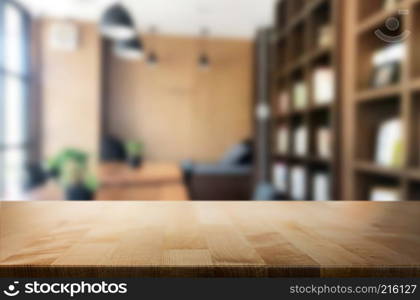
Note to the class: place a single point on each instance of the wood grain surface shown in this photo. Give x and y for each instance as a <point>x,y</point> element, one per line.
<point>186,239</point>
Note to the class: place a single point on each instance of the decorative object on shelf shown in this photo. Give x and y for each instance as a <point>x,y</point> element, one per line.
<point>385,194</point>
<point>131,49</point>
<point>300,95</point>
<point>387,65</point>
<point>389,145</point>
<point>204,59</point>
<point>321,187</point>
<point>117,24</point>
<point>64,36</point>
<point>70,168</point>
<point>283,104</point>
<point>280,175</point>
<point>325,36</point>
<point>323,142</point>
<point>300,141</point>
<point>324,85</point>
<point>134,151</point>
<point>298,183</point>
<point>283,140</point>
<point>152,58</point>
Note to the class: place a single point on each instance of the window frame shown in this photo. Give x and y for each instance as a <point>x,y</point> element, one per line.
<point>24,77</point>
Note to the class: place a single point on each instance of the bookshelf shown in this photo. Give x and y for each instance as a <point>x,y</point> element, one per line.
<point>371,106</point>
<point>301,54</point>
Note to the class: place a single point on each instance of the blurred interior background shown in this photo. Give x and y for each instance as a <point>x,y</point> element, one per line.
<point>209,100</point>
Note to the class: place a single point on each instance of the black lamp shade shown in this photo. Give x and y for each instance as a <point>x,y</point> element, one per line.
<point>130,49</point>
<point>117,24</point>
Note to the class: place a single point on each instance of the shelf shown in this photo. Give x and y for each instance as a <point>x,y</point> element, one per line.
<point>373,107</point>
<point>372,168</point>
<point>297,65</point>
<point>303,61</point>
<point>298,112</point>
<point>320,160</point>
<point>305,159</point>
<point>318,53</point>
<point>314,4</point>
<point>414,42</point>
<point>293,158</point>
<point>366,182</point>
<point>298,18</point>
<point>413,191</point>
<point>321,107</point>
<point>415,85</point>
<point>414,174</point>
<point>379,93</point>
<point>303,56</point>
<point>279,156</point>
<point>282,116</point>
<point>414,122</point>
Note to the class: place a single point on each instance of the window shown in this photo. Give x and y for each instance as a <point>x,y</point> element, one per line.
<point>14,87</point>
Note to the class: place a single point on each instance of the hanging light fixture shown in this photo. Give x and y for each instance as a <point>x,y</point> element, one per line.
<point>204,59</point>
<point>117,24</point>
<point>152,58</point>
<point>131,49</point>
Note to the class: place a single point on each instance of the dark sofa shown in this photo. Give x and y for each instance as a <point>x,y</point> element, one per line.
<point>229,179</point>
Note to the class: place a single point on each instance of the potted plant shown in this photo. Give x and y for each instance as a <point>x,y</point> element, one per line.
<point>70,167</point>
<point>133,152</point>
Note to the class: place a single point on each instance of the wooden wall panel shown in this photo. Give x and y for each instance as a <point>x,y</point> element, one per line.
<point>178,110</point>
<point>71,93</point>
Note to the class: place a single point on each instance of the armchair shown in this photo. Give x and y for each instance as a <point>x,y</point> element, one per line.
<point>229,179</point>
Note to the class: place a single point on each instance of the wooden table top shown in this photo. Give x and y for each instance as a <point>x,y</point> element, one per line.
<point>242,239</point>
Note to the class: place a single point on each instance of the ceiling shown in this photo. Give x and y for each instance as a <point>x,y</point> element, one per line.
<point>224,18</point>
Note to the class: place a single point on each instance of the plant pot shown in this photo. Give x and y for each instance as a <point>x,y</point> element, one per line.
<point>53,174</point>
<point>135,162</point>
<point>79,193</point>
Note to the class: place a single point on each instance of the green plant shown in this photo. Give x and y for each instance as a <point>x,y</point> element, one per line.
<point>56,163</point>
<point>133,149</point>
<point>70,166</point>
<point>91,183</point>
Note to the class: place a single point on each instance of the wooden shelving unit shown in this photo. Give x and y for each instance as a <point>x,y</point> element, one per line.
<point>298,54</point>
<point>371,106</point>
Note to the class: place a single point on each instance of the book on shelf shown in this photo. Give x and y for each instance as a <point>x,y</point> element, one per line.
<point>283,140</point>
<point>280,175</point>
<point>300,141</point>
<point>389,144</point>
<point>387,65</point>
<point>324,85</point>
<point>283,104</point>
<point>384,193</point>
<point>300,95</point>
<point>323,142</point>
<point>325,36</point>
<point>321,187</point>
<point>298,183</point>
